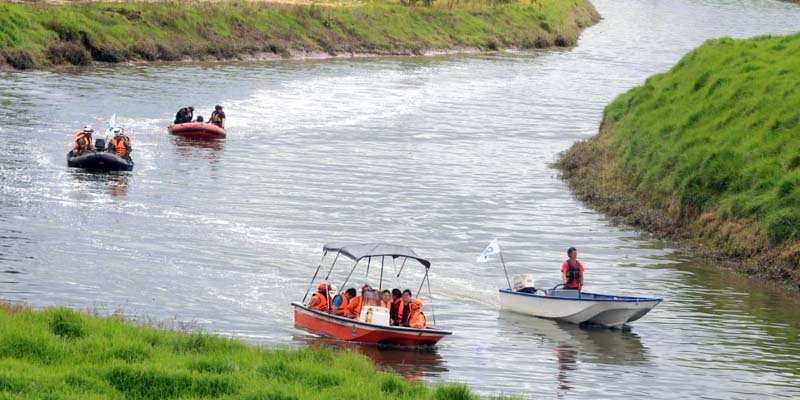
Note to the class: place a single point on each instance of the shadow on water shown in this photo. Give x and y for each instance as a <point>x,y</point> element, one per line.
<point>412,363</point>
<point>115,182</point>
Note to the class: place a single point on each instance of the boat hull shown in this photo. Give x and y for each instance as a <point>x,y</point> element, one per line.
<point>197,130</point>
<point>350,330</point>
<point>99,161</point>
<point>596,309</point>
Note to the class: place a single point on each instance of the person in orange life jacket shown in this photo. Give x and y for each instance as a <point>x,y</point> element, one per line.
<point>218,117</point>
<point>572,271</point>
<point>416,318</point>
<point>353,310</point>
<point>120,144</point>
<point>405,311</point>
<point>341,301</point>
<point>319,300</point>
<point>83,140</point>
<point>386,299</point>
<point>396,310</point>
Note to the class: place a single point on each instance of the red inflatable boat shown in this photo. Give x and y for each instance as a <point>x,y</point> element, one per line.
<point>197,130</point>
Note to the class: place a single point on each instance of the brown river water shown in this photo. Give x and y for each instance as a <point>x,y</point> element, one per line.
<point>441,154</point>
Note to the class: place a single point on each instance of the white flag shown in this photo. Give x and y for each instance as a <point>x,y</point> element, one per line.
<point>492,248</point>
<point>111,123</point>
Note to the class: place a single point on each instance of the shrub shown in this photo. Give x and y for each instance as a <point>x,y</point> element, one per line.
<point>783,226</point>
<point>68,53</point>
<point>66,323</point>
<point>18,58</point>
<point>452,392</point>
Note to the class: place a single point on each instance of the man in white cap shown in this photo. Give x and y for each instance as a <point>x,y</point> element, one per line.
<point>83,140</point>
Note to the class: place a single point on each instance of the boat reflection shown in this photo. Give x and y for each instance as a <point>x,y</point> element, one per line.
<point>211,150</point>
<point>116,181</point>
<point>215,145</point>
<point>412,363</point>
<point>592,344</point>
<point>574,345</point>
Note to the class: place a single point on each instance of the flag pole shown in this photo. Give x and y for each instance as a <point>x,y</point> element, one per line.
<point>504,269</point>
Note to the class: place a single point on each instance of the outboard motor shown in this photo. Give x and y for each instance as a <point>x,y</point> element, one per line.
<point>100,144</point>
<point>524,283</point>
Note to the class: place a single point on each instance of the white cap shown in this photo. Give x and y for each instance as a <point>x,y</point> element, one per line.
<point>88,128</point>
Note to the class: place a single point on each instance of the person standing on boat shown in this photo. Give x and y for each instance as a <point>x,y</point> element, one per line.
<point>120,144</point>
<point>83,140</point>
<point>572,271</point>
<point>218,117</point>
<point>319,300</point>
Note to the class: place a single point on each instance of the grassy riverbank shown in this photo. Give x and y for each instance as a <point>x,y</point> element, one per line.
<point>58,353</point>
<point>43,34</point>
<point>708,151</point>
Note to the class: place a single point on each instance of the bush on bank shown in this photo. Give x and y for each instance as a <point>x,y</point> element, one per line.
<point>710,150</point>
<point>40,34</point>
<point>62,354</point>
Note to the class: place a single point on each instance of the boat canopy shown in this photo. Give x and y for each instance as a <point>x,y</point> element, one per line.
<point>357,251</point>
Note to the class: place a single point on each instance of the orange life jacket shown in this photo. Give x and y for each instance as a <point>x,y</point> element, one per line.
<point>82,142</point>
<point>120,145</point>
<point>416,319</point>
<point>340,309</point>
<point>386,304</point>
<point>319,302</point>
<point>354,308</point>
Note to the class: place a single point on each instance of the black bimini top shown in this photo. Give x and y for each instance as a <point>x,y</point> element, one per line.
<point>357,251</point>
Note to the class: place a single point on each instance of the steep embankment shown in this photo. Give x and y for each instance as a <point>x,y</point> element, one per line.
<point>708,151</point>
<point>61,354</point>
<point>37,34</point>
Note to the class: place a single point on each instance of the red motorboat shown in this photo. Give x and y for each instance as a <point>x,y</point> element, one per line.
<point>197,130</point>
<point>377,330</point>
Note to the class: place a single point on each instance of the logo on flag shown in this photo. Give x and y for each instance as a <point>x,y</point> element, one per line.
<point>492,248</point>
<point>111,123</point>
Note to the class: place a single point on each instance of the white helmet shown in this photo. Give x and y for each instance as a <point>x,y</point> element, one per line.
<point>332,290</point>
<point>88,129</point>
<point>119,131</point>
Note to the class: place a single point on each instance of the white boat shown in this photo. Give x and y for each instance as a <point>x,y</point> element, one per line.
<point>577,307</point>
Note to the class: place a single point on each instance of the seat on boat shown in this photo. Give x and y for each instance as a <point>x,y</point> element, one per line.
<point>569,293</point>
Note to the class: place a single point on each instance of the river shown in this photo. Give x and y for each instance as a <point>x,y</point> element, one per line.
<point>438,153</point>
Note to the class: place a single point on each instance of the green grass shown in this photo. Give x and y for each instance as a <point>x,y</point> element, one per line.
<point>61,354</point>
<point>33,35</point>
<point>715,142</point>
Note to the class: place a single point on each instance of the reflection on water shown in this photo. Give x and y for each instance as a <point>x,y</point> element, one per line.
<point>184,146</point>
<point>567,361</point>
<point>592,344</point>
<point>413,364</point>
<point>115,181</point>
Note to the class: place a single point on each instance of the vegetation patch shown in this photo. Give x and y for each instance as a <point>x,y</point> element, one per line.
<point>58,353</point>
<point>43,33</point>
<point>707,151</point>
